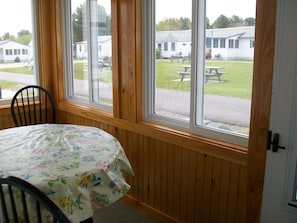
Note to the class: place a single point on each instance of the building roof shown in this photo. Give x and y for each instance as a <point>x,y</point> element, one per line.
<point>185,35</point>
<point>3,41</point>
<point>241,32</point>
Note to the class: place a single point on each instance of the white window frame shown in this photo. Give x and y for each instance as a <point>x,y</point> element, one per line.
<point>195,124</point>
<point>35,46</point>
<point>68,55</point>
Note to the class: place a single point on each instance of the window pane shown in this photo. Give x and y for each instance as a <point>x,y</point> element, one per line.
<point>92,50</point>
<point>172,96</point>
<point>17,67</point>
<point>229,71</point>
<point>202,84</point>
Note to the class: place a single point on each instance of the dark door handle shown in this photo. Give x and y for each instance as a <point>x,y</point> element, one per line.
<point>274,142</point>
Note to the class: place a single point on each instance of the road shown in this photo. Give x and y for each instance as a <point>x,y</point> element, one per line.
<point>221,109</point>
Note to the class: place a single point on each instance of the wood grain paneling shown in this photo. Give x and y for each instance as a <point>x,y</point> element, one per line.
<point>176,182</point>
<point>179,177</point>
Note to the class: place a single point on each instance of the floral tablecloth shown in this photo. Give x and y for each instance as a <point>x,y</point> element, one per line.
<point>79,167</point>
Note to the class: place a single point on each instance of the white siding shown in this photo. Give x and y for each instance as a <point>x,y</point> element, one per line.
<point>10,50</point>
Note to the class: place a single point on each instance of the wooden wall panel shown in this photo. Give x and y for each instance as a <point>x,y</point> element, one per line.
<point>176,184</point>
<point>181,184</point>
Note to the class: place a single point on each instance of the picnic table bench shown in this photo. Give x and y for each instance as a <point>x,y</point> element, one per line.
<point>217,74</point>
<point>208,72</point>
<point>182,74</point>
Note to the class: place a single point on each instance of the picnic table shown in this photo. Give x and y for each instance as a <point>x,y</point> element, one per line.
<point>210,71</point>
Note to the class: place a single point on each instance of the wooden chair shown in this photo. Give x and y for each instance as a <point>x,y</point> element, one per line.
<point>33,105</point>
<point>8,185</point>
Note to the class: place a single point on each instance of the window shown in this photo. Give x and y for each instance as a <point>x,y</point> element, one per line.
<point>165,46</point>
<point>222,43</point>
<point>18,47</point>
<point>173,46</point>
<point>215,43</point>
<point>231,43</point>
<point>8,52</point>
<point>210,95</point>
<point>236,43</point>
<point>252,42</point>
<point>88,52</point>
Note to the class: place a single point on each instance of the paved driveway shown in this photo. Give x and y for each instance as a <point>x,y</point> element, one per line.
<point>222,109</point>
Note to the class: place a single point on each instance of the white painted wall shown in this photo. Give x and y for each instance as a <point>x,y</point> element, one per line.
<point>17,51</point>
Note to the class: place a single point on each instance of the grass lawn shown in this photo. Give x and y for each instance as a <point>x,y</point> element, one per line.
<point>237,82</point>
<point>20,70</point>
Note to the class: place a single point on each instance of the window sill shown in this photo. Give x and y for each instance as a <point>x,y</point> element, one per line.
<point>216,148</point>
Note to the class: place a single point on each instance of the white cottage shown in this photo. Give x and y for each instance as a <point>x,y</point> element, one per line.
<point>11,51</point>
<point>227,43</point>
<point>104,48</point>
<point>232,43</point>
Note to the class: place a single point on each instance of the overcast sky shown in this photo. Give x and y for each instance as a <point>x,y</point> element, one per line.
<point>214,8</point>
<point>16,14</point>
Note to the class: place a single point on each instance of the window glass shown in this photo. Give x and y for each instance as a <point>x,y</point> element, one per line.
<point>204,85</point>
<point>17,47</point>
<point>91,52</point>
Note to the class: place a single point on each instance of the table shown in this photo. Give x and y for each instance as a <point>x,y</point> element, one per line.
<point>79,167</point>
<point>208,72</point>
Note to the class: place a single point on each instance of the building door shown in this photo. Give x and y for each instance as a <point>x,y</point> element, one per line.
<point>279,202</point>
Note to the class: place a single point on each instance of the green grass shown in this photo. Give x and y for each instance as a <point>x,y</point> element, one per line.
<point>20,70</point>
<point>237,82</point>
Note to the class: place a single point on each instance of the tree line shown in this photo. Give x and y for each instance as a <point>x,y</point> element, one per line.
<point>23,36</point>
<point>222,21</point>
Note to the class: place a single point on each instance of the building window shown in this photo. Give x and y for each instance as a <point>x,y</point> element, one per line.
<point>197,97</point>
<point>173,46</point>
<point>236,43</point>
<point>8,52</point>
<point>222,43</point>
<point>215,43</point>
<point>231,43</point>
<point>25,51</point>
<point>166,46</point>
<point>22,33</point>
<point>252,42</point>
<point>87,25</point>
<point>17,51</point>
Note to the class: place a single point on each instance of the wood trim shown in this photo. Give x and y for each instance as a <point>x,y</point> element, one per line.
<point>46,29</point>
<point>225,151</point>
<point>115,59</point>
<point>127,55</point>
<point>58,54</point>
<point>260,109</point>
<point>139,73</point>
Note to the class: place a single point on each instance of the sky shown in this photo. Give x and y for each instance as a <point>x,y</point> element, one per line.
<point>214,8</point>
<point>16,14</point>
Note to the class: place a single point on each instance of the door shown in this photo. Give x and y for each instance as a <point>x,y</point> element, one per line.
<point>279,195</point>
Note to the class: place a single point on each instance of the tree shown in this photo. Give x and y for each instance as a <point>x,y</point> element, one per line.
<point>24,37</point>
<point>23,32</point>
<point>182,23</point>
<point>249,21</point>
<point>207,23</point>
<point>185,23</point>
<point>79,21</point>
<point>7,36</point>
<point>221,22</point>
<point>236,21</point>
